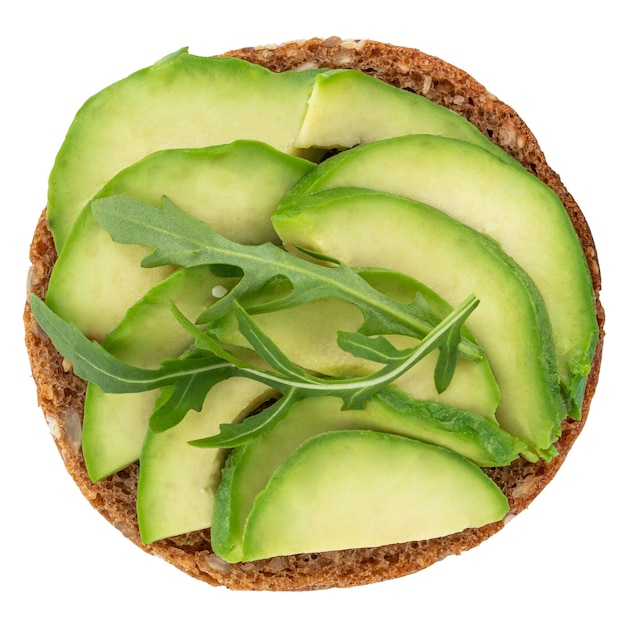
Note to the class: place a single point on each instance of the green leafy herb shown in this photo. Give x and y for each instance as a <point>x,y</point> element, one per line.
<point>93,363</point>
<point>377,349</point>
<point>187,393</point>
<point>177,238</point>
<point>446,363</point>
<point>296,384</point>
<point>234,435</point>
<point>187,380</point>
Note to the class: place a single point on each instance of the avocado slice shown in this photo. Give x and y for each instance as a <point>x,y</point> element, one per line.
<point>233,187</point>
<point>249,468</point>
<point>368,228</point>
<point>182,101</point>
<point>115,425</point>
<point>348,108</point>
<point>500,200</point>
<point>177,482</point>
<point>307,334</point>
<point>360,488</point>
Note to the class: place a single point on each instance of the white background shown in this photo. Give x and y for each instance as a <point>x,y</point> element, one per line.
<point>563,558</point>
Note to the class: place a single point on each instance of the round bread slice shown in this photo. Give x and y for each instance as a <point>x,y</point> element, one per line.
<point>61,393</point>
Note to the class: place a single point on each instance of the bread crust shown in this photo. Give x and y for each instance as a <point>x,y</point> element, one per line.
<point>61,393</point>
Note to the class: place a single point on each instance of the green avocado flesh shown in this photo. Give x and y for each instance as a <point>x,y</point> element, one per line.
<point>234,188</point>
<point>187,101</point>
<point>361,488</point>
<point>182,101</point>
<point>500,200</point>
<point>420,202</point>
<point>307,334</point>
<point>115,425</point>
<point>250,467</point>
<point>367,228</point>
<point>348,108</point>
<point>177,482</point>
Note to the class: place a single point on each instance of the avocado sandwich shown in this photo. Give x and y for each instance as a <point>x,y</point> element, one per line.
<point>310,315</point>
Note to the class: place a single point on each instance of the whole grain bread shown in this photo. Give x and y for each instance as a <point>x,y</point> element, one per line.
<point>61,393</point>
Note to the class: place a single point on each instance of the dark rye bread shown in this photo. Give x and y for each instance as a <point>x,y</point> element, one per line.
<point>61,393</point>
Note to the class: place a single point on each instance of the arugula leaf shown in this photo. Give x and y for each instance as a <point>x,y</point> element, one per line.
<point>234,435</point>
<point>378,349</point>
<point>266,348</point>
<point>177,238</point>
<point>192,376</point>
<point>355,392</point>
<point>204,340</point>
<point>93,363</point>
<point>446,362</point>
<point>396,368</point>
<point>186,394</point>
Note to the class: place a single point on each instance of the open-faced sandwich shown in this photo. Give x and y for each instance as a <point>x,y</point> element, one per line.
<point>310,315</point>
